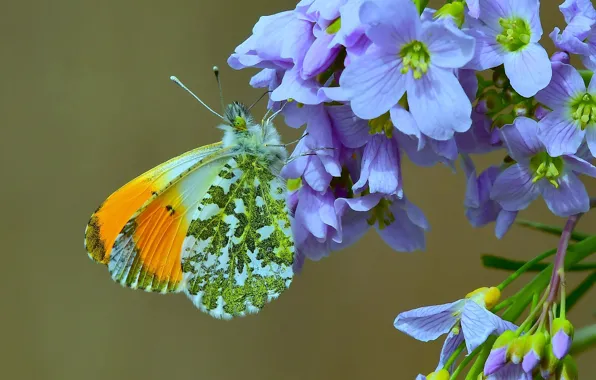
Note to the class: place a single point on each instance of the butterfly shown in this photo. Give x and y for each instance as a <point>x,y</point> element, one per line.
<point>212,223</point>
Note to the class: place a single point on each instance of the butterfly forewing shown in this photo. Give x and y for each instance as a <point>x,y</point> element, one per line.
<point>147,252</point>
<point>239,250</point>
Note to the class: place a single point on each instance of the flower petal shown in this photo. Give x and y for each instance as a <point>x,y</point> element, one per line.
<point>350,129</point>
<point>521,138</point>
<point>561,344</point>
<point>319,56</point>
<point>294,87</point>
<point>392,23</point>
<point>404,121</point>
<point>488,53</point>
<point>513,188</point>
<point>429,322</point>
<point>569,198</point>
<point>374,83</point>
<point>478,323</point>
<point>565,84</point>
<point>560,134</point>
<point>580,165</point>
<point>380,167</point>
<point>439,104</point>
<point>448,46</point>
<point>591,139</point>
<point>496,360</point>
<point>505,220</point>
<point>451,343</point>
<point>529,70</point>
<point>406,232</point>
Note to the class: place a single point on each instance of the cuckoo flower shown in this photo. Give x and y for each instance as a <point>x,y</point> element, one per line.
<point>574,112</point>
<point>508,34</point>
<point>578,37</point>
<point>413,57</point>
<point>536,173</point>
<point>466,319</point>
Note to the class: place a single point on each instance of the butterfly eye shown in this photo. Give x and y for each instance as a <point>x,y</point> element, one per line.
<point>240,123</point>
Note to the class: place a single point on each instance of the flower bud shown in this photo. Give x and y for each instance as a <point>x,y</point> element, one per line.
<point>562,333</point>
<point>500,78</point>
<point>540,112</point>
<point>549,362</point>
<point>498,354</point>
<point>518,349</point>
<point>568,369</point>
<point>487,297</point>
<point>454,10</point>
<point>521,109</point>
<point>442,374</point>
<point>535,351</point>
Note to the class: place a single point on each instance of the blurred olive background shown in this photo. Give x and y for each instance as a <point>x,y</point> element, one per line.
<point>87,105</point>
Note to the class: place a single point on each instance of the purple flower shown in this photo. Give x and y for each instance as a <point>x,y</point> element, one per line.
<point>410,56</point>
<point>536,173</point>
<point>578,35</point>
<point>562,337</point>
<point>471,313</point>
<point>573,118</point>
<point>398,221</point>
<point>497,357</point>
<point>535,351</point>
<point>480,138</point>
<point>508,34</point>
<point>480,208</point>
<point>510,372</point>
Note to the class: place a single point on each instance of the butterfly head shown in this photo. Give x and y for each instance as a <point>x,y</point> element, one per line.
<point>238,116</point>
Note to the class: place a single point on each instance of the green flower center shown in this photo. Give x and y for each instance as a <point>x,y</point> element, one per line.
<point>381,214</point>
<point>516,33</point>
<point>381,124</point>
<point>416,58</point>
<point>583,109</point>
<point>547,167</point>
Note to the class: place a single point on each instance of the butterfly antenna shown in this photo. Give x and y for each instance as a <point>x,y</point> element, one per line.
<point>177,81</point>
<point>258,100</point>
<point>221,100</point>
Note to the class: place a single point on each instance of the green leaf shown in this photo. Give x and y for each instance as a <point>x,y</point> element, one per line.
<point>498,262</point>
<point>420,5</point>
<point>553,230</point>
<point>580,291</point>
<point>584,339</point>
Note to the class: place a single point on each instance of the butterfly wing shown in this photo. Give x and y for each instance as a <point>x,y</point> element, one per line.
<point>134,212</point>
<point>239,250</point>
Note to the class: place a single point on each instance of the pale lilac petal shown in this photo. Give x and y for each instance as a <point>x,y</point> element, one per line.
<point>521,138</point>
<point>374,83</point>
<point>308,211</point>
<point>406,232</point>
<point>496,360</point>
<point>473,8</point>
<point>380,166</point>
<point>492,11</point>
<point>429,322</point>
<point>531,361</point>
<point>416,215</point>
<point>351,130</point>
<point>360,204</point>
<point>591,139</point>
<point>439,104</point>
<point>404,121</point>
<point>420,377</point>
<point>488,53</point>
<point>561,344</point>
<point>528,10</point>
<point>529,69</point>
<point>448,46</point>
<point>566,83</point>
<point>592,84</point>
<point>513,188</point>
<point>510,372</point>
<point>294,87</point>
<point>451,343</point>
<point>469,82</point>
<point>351,28</point>
<point>446,148</point>
<point>579,165</point>
<point>560,134</point>
<point>478,323</point>
<point>393,23</point>
<point>353,226</point>
<point>294,116</point>
<point>315,174</point>
<point>319,56</point>
<point>569,198</point>
<point>504,222</point>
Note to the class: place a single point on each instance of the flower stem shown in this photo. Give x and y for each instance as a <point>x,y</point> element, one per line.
<point>454,355</point>
<point>465,362</point>
<point>524,268</point>
<point>558,267</point>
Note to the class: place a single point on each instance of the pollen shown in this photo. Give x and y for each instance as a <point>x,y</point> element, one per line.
<point>416,58</point>
<point>381,214</point>
<point>583,109</point>
<point>381,124</point>
<point>546,167</point>
<point>515,34</point>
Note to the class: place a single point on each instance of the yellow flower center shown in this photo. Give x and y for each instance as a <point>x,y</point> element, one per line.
<point>416,58</point>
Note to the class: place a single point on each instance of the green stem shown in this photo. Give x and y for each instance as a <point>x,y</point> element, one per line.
<point>478,365</point>
<point>465,362</point>
<point>553,230</point>
<point>502,263</point>
<point>454,355</point>
<point>584,339</point>
<point>524,268</point>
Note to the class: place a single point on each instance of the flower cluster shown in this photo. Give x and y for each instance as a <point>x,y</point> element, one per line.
<point>377,82</point>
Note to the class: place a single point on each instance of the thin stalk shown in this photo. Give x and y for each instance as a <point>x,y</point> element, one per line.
<point>524,268</point>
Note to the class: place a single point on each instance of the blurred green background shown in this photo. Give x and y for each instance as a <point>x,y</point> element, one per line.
<point>86,105</point>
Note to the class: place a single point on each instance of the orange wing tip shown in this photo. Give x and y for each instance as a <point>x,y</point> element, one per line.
<point>94,243</point>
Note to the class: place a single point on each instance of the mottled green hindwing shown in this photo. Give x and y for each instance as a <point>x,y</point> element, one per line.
<point>239,250</point>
